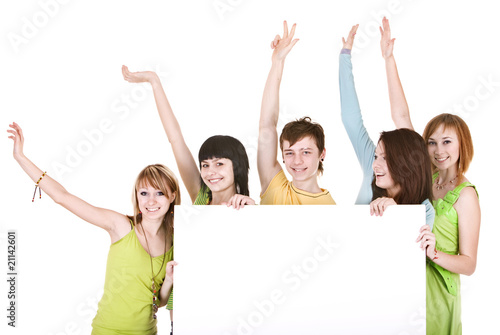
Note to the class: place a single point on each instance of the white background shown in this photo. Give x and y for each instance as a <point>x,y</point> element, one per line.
<point>64,79</point>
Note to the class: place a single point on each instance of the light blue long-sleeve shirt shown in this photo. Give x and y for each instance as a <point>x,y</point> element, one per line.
<point>361,141</point>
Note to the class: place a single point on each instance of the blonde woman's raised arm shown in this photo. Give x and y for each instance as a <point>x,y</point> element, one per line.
<point>115,223</point>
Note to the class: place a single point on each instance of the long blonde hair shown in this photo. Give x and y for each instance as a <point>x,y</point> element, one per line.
<point>162,178</point>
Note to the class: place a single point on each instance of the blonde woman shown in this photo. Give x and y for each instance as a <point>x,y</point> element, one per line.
<point>141,245</point>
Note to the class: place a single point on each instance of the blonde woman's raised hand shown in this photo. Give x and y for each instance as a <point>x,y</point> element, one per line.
<point>116,224</point>
<point>18,138</point>
<point>386,43</point>
<point>283,44</point>
<point>138,77</point>
<point>347,44</point>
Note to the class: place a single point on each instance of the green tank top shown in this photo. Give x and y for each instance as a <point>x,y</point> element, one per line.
<point>202,197</point>
<point>126,305</point>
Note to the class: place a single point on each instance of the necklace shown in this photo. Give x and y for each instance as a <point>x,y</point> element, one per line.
<point>153,276</point>
<point>441,186</point>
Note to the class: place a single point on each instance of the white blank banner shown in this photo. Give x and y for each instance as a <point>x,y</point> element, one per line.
<point>298,270</point>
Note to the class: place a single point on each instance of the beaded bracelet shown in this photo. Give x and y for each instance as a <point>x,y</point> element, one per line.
<point>39,189</point>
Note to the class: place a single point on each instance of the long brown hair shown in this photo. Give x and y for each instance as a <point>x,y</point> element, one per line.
<point>465,147</point>
<point>409,165</point>
<point>162,178</point>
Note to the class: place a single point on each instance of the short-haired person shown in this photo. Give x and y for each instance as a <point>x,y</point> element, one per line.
<point>141,245</point>
<point>397,170</point>
<point>452,244</point>
<point>302,144</point>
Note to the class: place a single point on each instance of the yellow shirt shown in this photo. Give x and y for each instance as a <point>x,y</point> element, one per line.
<point>282,192</point>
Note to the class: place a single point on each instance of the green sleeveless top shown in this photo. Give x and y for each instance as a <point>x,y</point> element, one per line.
<point>202,197</point>
<point>126,305</point>
<point>443,286</point>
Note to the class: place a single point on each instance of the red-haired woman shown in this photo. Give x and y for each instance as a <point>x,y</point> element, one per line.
<point>452,244</point>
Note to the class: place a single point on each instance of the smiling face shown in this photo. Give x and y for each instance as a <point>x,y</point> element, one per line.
<point>153,203</point>
<point>382,174</point>
<point>217,173</point>
<point>302,159</point>
<point>443,147</point>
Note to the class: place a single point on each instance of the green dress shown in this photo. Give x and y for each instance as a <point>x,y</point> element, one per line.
<point>126,306</point>
<point>443,287</point>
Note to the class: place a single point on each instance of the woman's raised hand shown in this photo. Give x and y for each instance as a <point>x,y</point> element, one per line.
<point>350,38</point>
<point>283,45</point>
<point>138,77</point>
<point>386,43</point>
<point>18,138</point>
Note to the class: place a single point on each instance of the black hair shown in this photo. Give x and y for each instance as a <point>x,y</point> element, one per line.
<point>222,146</point>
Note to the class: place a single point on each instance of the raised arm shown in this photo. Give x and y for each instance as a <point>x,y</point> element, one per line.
<point>352,120</point>
<point>267,162</point>
<point>399,107</point>
<point>116,224</point>
<point>185,161</point>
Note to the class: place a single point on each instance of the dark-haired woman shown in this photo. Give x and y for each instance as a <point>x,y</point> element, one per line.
<point>222,178</point>
<point>399,172</point>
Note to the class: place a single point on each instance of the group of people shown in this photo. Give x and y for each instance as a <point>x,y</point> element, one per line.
<point>401,168</point>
